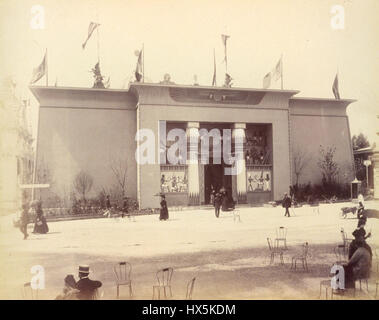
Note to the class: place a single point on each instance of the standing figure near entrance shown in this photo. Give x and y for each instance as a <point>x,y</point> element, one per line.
<point>164,211</point>
<point>227,200</point>
<point>212,196</point>
<point>286,203</point>
<point>217,204</point>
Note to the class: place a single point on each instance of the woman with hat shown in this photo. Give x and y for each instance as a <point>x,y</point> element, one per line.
<point>164,211</point>
<point>40,224</point>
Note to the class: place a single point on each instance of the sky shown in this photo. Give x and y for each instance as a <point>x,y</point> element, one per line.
<point>179,38</point>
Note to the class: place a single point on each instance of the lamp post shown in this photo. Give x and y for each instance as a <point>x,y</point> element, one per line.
<point>367,163</point>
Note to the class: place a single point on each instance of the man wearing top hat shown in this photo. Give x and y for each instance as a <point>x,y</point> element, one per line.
<point>87,287</point>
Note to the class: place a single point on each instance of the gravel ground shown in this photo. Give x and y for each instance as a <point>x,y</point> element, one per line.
<point>229,258</point>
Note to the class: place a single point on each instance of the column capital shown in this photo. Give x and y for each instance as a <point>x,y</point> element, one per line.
<point>193,125</point>
<point>239,125</point>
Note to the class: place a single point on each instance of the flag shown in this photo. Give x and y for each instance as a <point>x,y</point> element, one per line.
<point>277,72</point>
<point>91,28</point>
<point>214,69</point>
<point>267,80</point>
<point>228,81</point>
<point>335,88</point>
<point>224,38</point>
<point>40,71</point>
<point>138,73</point>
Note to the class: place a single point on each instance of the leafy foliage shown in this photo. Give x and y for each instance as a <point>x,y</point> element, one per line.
<point>360,141</point>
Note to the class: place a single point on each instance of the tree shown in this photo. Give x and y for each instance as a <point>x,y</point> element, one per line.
<point>329,168</point>
<point>300,161</point>
<point>360,141</point>
<point>83,183</point>
<point>119,169</point>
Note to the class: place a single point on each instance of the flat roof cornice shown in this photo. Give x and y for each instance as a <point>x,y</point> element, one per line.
<point>323,99</point>
<point>197,87</point>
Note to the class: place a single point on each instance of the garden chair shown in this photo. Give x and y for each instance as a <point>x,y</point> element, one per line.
<point>376,259</point>
<point>281,236</point>
<point>122,271</point>
<point>28,292</point>
<point>190,286</point>
<point>326,284</point>
<point>275,251</point>
<point>346,240</point>
<point>97,294</point>
<point>236,215</point>
<point>164,282</point>
<point>360,283</point>
<point>316,208</point>
<point>340,253</point>
<point>301,257</point>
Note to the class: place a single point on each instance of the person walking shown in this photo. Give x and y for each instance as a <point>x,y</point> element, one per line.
<point>361,206</point>
<point>40,224</point>
<point>286,203</point>
<point>125,208</point>
<point>164,211</point>
<point>217,204</point>
<point>24,220</point>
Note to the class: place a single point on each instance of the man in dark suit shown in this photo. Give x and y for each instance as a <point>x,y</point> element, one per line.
<point>286,203</point>
<point>87,287</point>
<point>24,220</point>
<point>217,204</point>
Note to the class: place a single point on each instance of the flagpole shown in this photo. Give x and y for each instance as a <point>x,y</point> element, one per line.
<point>214,67</point>
<point>143,62</point>
<point>98,36</point>
<point>281,70</point>
<point>47,70</point>
<point>226,56</point>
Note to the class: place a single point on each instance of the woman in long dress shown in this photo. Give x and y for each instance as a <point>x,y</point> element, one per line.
<point>40,225</point>
<point>164,211</point>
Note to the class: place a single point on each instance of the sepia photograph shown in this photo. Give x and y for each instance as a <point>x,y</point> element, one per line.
<point>176,150</point>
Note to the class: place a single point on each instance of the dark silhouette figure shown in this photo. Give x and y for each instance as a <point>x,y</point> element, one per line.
<point>164,211</point>
<point>286,203</point>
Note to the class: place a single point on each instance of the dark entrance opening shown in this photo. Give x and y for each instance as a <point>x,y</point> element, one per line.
<point>215,178</point>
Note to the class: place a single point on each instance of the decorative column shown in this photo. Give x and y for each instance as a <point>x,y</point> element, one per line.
<point>238,135</point>
<point>193,163</point>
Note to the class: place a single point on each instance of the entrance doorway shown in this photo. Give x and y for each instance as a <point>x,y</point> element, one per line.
<point>214,178</point>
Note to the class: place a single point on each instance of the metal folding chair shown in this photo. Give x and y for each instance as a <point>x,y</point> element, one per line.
<point>365,280</point>
<point>346,240</point>
<point>28,293</point>
<point>326,284</point>
<point>340,253</point>
<point>190,286</point>
<point>301,257</point>
<point>122,271</point>
<point>281,236</point>
<point>164,282</point>
<point>236,215</point>
<point>275,251</point>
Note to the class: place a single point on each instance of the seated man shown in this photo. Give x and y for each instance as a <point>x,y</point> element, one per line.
<point>359,265</point>
<point>359,237</point>
<point>86,287</point>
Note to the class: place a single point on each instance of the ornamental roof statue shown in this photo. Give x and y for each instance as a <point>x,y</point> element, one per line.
<point>98,77</point>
